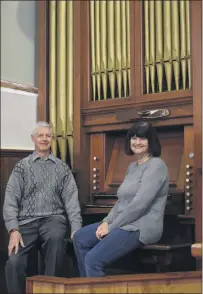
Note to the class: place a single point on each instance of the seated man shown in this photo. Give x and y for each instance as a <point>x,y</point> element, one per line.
<point>40,192</point>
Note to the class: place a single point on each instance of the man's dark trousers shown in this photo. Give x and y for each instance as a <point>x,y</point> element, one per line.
<point>51,232</point>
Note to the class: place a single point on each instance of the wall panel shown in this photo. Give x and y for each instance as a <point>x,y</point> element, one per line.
<point>8,158</point>
<point>18,116</point>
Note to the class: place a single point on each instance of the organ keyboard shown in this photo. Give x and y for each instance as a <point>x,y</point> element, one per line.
<point>103,202</point>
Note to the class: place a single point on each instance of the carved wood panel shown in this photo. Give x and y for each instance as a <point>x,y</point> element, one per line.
<point>172,154</point>
<point>8,158</point>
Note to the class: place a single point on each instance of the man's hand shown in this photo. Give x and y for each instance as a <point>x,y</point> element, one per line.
<point>72,234</point>
<point>102,230</point>
<point>14,241</point>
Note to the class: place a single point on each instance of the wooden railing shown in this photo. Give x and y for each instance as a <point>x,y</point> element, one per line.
<point>185,282</point>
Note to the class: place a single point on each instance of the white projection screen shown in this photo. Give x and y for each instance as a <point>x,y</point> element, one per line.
<point>18,116</point>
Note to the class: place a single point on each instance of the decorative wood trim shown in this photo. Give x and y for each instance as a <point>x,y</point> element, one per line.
<point>130,114</point>
<point>125,126</point>
<point>196,42</point>
<point>125,106</point>
<point>196,250</point>
<point>165,97</point>
<point>17,86</point>
<point>113,279</point>
<point>81,142</point>
<point>150,283</point>
<point>77,82</point>
<point>85,50</point>
<point>14,152</point>
<point>42,59</point>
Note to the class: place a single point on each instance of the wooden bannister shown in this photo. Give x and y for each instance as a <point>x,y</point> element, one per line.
<point>185,282</point>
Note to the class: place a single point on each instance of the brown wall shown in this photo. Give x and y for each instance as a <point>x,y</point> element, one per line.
<point>8,158</point>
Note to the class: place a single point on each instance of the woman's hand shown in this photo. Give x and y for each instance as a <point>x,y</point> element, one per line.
<point>102,230</point>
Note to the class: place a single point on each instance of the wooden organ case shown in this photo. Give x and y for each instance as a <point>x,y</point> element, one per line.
<point>100,125</point>
<point>108,164</point>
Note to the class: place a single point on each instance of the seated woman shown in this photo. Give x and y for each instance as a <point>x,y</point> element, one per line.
<point>137,217</point>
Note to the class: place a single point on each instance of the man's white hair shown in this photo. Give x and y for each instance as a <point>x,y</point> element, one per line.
<point>40,124</point>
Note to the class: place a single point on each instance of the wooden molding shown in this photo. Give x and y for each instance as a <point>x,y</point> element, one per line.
<point>180,282</point>
<point>157,98</point>
<point>125,106</point>
<point>42,59</point>
<point>196,250</point>
<point>17,86</point>
<point>14,152</point>
<point>196,43</point>
<point>127,114</point>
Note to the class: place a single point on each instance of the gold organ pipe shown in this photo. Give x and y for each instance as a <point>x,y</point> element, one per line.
<point>111,48</point>
<point>52,72</point>
<point>175,42</point>
<point>61,78</point>
<point>70,77</point>
<point>98,62</point>
<point>152,44</point>
<point>183,41</point>
<point>93,67</point>
<point>103,47</point>
<point>159,43</point>
<point>128,41</point>
<point>118,45</point>
<point>188,52</point>
<point>146,21</point>
<point>124,45</point>
<point>167,43</point>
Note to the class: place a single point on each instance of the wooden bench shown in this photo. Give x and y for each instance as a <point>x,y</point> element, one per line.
<point>162,254</point>
<point>159,254</point>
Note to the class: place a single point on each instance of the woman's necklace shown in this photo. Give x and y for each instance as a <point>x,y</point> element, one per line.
<point>144,159</point>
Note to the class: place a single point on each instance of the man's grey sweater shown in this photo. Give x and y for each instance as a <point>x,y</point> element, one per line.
<point>141,200</point>
<point>40,188</point>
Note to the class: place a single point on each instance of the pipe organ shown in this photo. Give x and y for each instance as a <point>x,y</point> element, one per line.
<point>108,164</point>
<point>131,59</point>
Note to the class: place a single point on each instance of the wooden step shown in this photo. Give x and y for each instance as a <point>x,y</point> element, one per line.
<point>179,282</point>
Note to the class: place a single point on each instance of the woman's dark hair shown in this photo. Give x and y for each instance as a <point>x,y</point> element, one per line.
<point>144,129</point>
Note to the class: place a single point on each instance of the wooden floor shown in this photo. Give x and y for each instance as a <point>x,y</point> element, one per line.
<point>184,282</point>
